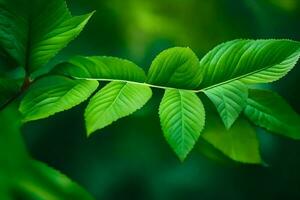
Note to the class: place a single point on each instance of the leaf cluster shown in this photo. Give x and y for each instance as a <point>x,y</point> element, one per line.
<point>31,35</point>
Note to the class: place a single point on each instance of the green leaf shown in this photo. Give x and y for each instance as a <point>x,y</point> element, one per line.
<point>13,151</point>
<point>230,100</point>
<point>182,118</point>
<point>33,31</point>
<point>54,94</point>
<point>101,68</point>
<point>24,178</point>
<point>209,151</point>
<point>8,89</point>
<point>239,143</point>
<point>270,111</point>
<point>39,181</point>
<point>176,67</point>
<point>251,61</point>
<point>114,101</point>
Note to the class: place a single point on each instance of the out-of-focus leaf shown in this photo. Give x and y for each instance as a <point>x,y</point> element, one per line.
<point>209,151</point>
<point>182,118</point>
<point>239,143</point>
<point>24,178</point>
<point>39,181</point>
<point>8,89</point>
<point>270,111</point>
<point>54,94</point>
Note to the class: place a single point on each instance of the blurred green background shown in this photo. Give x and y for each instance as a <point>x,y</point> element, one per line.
<point>130,159</point>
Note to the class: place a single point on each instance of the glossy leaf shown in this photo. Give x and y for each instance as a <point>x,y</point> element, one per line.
<point>230,100</point>
<point>239,143</point>
<point>101,68</point>
<point>54,94</point>
<point>176,67</point>
<point>270,111</point>
<point>114,101</point>
<point>182,118</point>
<point>33,31</point>
<point>251,61</point>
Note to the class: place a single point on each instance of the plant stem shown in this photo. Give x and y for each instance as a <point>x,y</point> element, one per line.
<point>24,87</point>
<point>137,83</point>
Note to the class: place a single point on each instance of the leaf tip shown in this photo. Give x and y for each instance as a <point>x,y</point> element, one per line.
<point>182,158</point>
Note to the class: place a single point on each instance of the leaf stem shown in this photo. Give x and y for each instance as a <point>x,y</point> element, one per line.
<point>137,83</point>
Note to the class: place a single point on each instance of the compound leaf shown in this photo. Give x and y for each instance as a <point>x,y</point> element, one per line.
<point>176,67</point>
<point>182,118</point>
<point>230,100</point>
<point>101,68</point>
<point>251,61</point>
<point>270,111</point>
<point>54,94</point>
<point>114,101</point>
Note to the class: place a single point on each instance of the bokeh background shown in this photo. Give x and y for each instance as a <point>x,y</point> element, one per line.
<point>130,159</point>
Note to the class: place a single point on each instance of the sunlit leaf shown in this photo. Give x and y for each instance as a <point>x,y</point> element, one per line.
<point>251,61</point>
<point>101,68</point>
<point>54,94</point>
<point>182,118</point>
<point>230,100</point>
<point>114,101</point>
<point>177,67</point>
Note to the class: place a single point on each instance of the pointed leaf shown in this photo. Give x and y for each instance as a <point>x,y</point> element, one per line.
<point>54,94</point>
<point>270,111</point>
<point>239,143</point>
<point>33,31</point>
<point>176,67</point>
<point>230,100</point>
<point>182,118</point>
<point>101,68</point>
<point>114,101</point>
<point>251,61</point>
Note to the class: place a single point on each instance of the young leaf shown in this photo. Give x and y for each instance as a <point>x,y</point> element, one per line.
<point>176,67</point>
<point>101,68</point>
<point>239,143</point>
<point>251,61</point>
<point>54,94</point>
<point>182,118</point>
<point>33,31</point>
<point>230,100</point>
<point>270,111</point>
<point>114,101</point>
